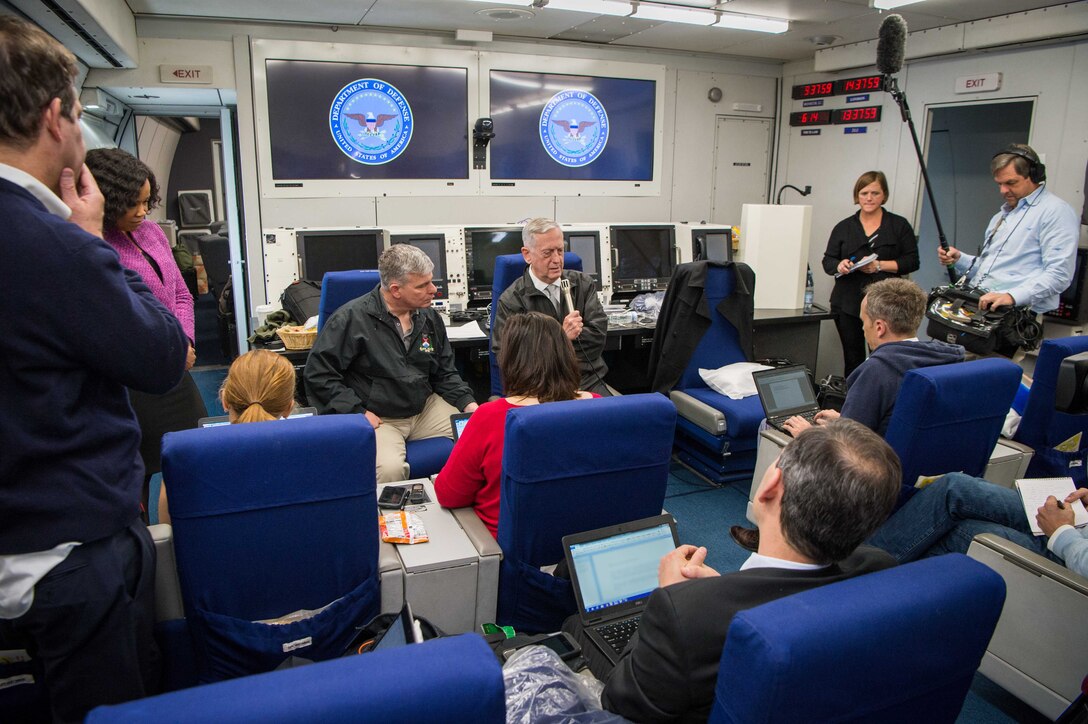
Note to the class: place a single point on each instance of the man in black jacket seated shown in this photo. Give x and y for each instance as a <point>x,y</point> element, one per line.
<point>386,355</point>
<point>828,491</point>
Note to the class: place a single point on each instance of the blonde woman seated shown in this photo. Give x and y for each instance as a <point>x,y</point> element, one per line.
<point>538,365</point>
<point>260,385</point>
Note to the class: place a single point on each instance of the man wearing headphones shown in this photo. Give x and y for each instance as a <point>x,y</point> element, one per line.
<point>1030,247</point>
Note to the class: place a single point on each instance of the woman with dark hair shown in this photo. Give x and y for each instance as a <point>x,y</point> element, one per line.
<point>538,365</point>
<point>131,191</point>
<point>872,230</point>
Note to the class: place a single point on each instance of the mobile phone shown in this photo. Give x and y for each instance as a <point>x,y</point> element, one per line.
<point>561,643</point>
<point>393,497</point>
<point>417,495</point>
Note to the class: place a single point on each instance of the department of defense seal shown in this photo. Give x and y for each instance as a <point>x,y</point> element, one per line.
<point>371,121</point>
<point>574,128</point>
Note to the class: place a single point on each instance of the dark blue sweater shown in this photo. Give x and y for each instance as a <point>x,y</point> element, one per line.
<point>78,329</point>
<point>872,388</point>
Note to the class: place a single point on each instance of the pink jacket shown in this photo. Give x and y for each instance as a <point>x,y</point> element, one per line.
<point>171,290</point>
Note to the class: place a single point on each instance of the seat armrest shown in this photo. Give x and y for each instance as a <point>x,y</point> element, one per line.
<point>388,560</point>
<point>168,604</point>
<point>700,413</point>
<point>477,532</point>
<point>1029,561</point>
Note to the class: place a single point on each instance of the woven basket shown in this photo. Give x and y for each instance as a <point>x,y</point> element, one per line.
<point>297,337</point>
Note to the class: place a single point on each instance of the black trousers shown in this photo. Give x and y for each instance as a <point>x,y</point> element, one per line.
<point>90,626</point>
<point>598,663</point>
<point>853,341</point>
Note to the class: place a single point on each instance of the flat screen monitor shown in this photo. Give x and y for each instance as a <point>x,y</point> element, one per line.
<point>434,246</point>
<point>325,250</point>
<point>330,120</point>
<point>1073,302</point>
<point>712,244</point>
<point>642,257</point>
<point>550,126</point>
<point>587,245</point>
<point>481,248</point>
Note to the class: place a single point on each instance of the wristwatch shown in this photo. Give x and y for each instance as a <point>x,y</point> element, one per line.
<point>878,266</point>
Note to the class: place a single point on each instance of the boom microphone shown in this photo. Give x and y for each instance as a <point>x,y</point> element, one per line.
<point>892,44</point>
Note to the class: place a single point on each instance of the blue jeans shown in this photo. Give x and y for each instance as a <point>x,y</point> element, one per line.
<point>949,513</point>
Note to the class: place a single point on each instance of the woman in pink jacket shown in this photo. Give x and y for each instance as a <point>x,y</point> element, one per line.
<point>131,191</point>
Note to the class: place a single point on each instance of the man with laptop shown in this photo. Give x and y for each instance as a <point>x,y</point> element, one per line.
<point>827,492</point>
<point>891,313</point>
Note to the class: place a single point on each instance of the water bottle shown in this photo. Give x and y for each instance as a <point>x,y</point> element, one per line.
<point>808,289</point>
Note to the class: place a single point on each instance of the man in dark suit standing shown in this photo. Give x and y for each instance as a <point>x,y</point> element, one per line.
<point>828,491</point>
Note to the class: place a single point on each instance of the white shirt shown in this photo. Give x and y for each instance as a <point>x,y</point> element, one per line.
<point>20,573</point>
<point>758,561</point>
<point>551,291</point>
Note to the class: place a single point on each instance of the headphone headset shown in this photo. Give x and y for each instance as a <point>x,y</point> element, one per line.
<point>1036,168</point>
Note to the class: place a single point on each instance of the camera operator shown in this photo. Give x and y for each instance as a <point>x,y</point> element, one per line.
<point>1029,252</point>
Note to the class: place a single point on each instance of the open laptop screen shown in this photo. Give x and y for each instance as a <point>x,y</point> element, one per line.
<point>621,568</point>
<point>785,390</point>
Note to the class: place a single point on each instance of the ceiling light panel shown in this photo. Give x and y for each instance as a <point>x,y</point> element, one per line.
<point>675,14</point>
<point>599,7</point>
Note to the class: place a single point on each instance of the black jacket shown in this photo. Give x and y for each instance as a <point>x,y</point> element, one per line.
<point>685,317</point>
<point>359,363</point>
<point>895,242</point>
<point>670,669</point>
<point>523,296</point>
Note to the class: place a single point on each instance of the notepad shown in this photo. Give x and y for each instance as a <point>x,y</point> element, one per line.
<point>858,265</point>
<point>1035,491</point>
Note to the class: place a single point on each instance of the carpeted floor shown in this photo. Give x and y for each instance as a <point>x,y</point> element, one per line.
<point>704,514</point>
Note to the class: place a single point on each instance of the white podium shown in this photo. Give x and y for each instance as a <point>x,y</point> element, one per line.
<point>774,240</point>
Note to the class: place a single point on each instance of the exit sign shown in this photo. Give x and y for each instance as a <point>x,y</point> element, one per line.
<point>199,74</point>
<point>978,83</point>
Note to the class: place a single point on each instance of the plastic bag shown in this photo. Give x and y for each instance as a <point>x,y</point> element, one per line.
<point>648,304</point>
<point>541,689</point>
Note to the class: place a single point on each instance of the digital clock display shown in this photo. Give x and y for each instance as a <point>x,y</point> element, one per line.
<point>866,114</point>
<point>858,85</point>
<point>814,90</point>
<point>840,87</point>
<point>810,118</point>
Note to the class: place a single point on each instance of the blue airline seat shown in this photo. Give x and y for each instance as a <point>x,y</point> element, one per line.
<point>569,467</point>
<point>948,418</point>
<point>900,645</point>
<point>1042,427</point>
<point>719,455</point>
<point>271,518</point>
<point>454,680</point>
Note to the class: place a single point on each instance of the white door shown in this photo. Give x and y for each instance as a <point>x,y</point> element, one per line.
<point>742,159</point>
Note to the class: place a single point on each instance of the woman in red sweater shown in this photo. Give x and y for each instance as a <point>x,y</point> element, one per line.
<point>538,365</point>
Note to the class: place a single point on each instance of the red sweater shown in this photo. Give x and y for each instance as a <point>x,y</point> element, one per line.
<point>473,472</point>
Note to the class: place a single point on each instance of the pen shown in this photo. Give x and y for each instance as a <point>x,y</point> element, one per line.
<point>1061,505</point>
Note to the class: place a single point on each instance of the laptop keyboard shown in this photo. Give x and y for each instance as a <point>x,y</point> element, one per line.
<point>619,633</point>
<point>776,422</point>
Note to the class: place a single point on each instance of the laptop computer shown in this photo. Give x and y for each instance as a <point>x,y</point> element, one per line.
<point>785,392</point>
<point>220,420</point>
<point>613,571</point>
<point>458,422</point>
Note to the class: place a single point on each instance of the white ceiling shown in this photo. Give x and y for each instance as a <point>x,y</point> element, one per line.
<point>850,20</point>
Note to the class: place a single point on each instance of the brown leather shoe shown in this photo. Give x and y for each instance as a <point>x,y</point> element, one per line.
<point>747,538</point>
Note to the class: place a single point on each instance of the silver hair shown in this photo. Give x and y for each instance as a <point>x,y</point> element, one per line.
<point>400,260</point>
<point>532,227</point>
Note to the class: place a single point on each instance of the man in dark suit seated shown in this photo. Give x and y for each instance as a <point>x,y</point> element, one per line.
<point>828,491</point>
